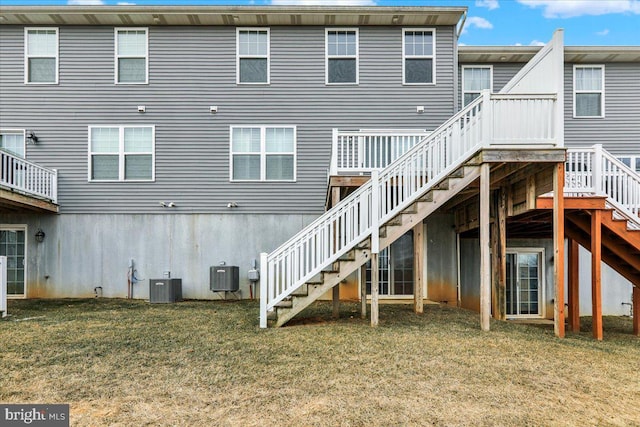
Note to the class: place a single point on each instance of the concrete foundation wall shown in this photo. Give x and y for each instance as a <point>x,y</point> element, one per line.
<point>442,274</point>
<point>81,252</point>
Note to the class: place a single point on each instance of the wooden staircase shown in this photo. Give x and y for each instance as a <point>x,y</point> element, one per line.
<point>389,232</point>
<point>620,240</point>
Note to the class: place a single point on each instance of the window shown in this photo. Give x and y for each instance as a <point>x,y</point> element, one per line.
<point>121,153</point>
<point>474,80</point>
<point>41,55</point>
<point>418,56</point>
<point>253,56</point>
<point>588,91</point>
<point>132,59</point>
<point>632,161</point>
<point>12,140</point>
<point>341,56</point>
<point>264,153</point>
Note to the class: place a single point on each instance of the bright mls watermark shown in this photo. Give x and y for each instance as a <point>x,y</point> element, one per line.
<point>34,415</point>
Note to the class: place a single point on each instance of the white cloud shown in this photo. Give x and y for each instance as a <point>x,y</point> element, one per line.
<point>462,44</point>
<point>477,22</point>
<point>603,32</point>
<point>517,44</point>
<point>489,4</point>
<point>85,2</point>
<point>323,2</point>
<point>536,43</point>
<point>573,8</point>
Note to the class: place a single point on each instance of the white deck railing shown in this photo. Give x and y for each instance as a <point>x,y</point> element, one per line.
<point>388,192</point>
<point>28,178</point>
<point>518,120</point>
<point>594,170</point>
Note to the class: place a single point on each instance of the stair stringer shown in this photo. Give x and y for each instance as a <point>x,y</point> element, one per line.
<point>391,231</point>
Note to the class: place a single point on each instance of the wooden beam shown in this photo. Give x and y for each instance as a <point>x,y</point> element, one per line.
<point>596,278</point>
<point>418,267</point>
<point>531,192</point>
<point>14,201</point>
<point>577,203</point>
<point>558,249</point>
<point>574,286</point>
<point>348,181</point>
<point>636,311</point>
<point>485,254</point>
<point>363,291</point>
<point>495,256</point>
<point>500,155</point>
<point>375,275</point>
<point>502,252</point>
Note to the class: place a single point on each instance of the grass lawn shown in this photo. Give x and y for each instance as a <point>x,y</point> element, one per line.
<point>197,363</point>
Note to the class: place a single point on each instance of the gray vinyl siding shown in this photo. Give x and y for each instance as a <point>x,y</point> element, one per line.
<point>619,130</point>
<point>191,68</point>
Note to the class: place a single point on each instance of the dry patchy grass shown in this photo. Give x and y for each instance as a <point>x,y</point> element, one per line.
<point>124,363</point>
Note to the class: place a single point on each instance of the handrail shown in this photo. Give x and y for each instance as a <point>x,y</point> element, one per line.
<point>27,177</point>
<point>395,187</point>
<point>594,170</point>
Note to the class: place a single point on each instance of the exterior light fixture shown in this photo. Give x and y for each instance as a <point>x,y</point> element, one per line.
<point>31,138</point>
<point>40,235</point>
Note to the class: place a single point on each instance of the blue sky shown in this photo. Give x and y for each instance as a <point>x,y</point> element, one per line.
<point>489,22</point>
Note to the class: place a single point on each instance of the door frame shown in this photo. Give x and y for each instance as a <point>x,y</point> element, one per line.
<point>19,227</point>
<point>541,283</point>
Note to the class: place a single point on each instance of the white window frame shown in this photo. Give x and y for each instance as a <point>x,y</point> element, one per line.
<point>27,55</point>
<point>263,152</point>
<point>117,56</point>
<point>601,91</point>
<point>239,57</point>
<point>542,285</point>
<point>432,57</point>
<point>464,67</point>
<point>327,57</point>
<point>633,158</point>
<point>121,153</point>
<point>22,132</point>
<point>25,228</point>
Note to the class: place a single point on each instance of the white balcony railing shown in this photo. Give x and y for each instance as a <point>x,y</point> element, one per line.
<point>28,178</point>
<point>398,184</point>
<point>594,170</point>
<point>513,120</point>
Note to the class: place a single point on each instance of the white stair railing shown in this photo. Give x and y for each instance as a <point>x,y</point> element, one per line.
<point>394,188</point>
<point>29,178</point>
<point>594,170</point>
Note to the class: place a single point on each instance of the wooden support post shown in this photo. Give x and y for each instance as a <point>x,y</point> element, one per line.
<point>596,279</point>
<point>375,282</point>
<point>574,286</point>
<point>495,272</point>
<point>418,267</point>
<point>335,294</point>
<point>502,253</point>
<point>485,255</point>
<point>636,310</point>
<point>558,249</point>
<point>363,291</point>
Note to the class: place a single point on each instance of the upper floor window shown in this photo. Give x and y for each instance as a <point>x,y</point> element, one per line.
<point>263,153</point>
<point>41,55</point>
<point>341,56</point>
<point>252,55</point>
<point>121,153</point>
<point>418,56</point>
<point>475,79</point>
<point>12,140</point>
<point>588,90</point>
<point>132,56</point>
